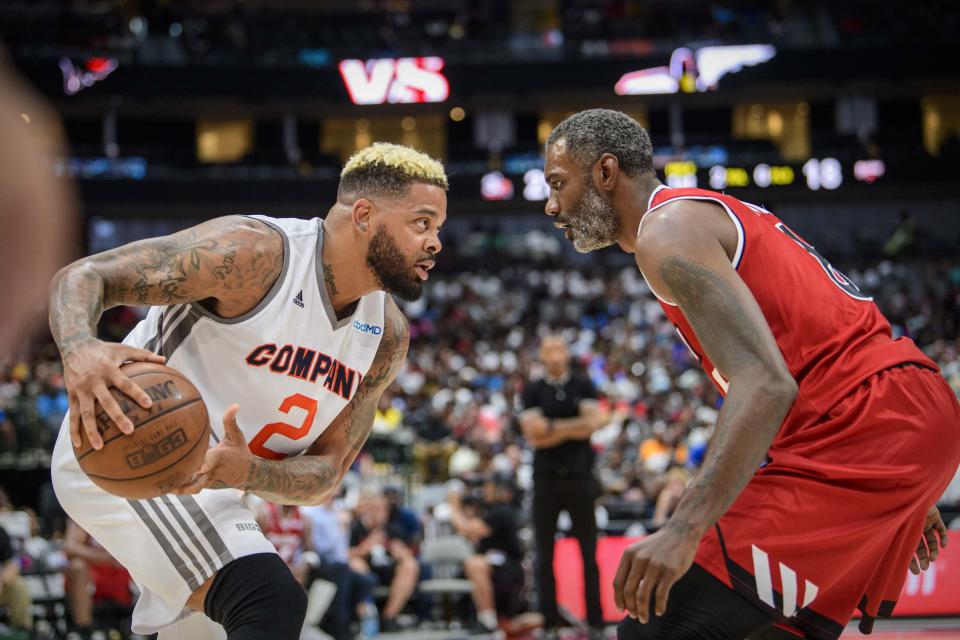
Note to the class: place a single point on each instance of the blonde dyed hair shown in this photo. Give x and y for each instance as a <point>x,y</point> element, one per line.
<point>388,169</point>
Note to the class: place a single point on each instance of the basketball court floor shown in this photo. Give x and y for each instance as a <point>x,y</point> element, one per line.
<point>910,629</point>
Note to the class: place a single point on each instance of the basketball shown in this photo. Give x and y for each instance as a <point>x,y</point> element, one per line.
<point>168,442</point>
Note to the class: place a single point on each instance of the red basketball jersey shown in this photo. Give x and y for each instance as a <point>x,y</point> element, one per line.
<point>832,336</point>
<point>285,530</point>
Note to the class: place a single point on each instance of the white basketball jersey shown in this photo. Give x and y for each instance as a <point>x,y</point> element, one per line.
<point>290,364</point>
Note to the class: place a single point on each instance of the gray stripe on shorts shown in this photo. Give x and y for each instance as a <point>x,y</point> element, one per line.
<point>175,536</point>
<point>172,555</point>
<point>206,527</point>
<point>209,567</point>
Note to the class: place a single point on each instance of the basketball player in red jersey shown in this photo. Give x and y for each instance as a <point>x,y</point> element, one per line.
<point>834,441</point>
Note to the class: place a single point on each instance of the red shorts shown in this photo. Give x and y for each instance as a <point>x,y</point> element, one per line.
<point>831,522</point>
<point>111,582</point>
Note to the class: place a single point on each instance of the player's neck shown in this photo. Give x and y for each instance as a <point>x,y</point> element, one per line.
<point>631,205</point>
<point>345,273</point>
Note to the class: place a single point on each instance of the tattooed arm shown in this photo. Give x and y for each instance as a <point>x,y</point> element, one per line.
<point>684,253</point>
<point>312,478</point>
<point>228,263</point>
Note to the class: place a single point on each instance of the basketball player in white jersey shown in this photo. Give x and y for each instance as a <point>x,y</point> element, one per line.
<point>289,319</point>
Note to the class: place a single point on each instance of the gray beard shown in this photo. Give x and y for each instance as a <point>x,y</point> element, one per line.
<point>596,224</point>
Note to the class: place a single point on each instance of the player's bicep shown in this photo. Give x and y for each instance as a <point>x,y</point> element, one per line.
<point>693,271</point>
<point>233,260</point>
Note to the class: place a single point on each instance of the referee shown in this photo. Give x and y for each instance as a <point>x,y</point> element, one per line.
<point>560,412</point>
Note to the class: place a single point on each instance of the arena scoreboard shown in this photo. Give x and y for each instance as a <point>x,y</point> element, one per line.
<point>815,174</point>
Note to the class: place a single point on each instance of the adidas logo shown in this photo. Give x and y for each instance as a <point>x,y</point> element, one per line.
<point>298,299</point>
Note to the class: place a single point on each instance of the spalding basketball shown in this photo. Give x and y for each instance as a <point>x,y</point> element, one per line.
<point>168,442</point>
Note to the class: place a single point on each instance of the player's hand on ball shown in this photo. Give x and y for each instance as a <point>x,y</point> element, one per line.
<point>651,566</point>
<point>225,466</point>
<point>88,370</point>
<point>933,538</point>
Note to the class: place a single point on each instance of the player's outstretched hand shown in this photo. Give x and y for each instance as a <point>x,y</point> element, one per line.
<point>651,566</point>
<point>225,466</point>
<point>87,372</point>
<point>933,538</point>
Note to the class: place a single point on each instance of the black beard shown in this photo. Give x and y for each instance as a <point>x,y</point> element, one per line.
<point>393,274</point>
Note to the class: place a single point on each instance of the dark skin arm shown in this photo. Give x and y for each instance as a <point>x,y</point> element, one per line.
<point>684,252</point>
<point>314,477</point>
<point>229,263</point>
<point>537,432</point>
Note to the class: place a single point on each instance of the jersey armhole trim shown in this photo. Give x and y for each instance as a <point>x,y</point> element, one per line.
<point>741,234</point>
<point>270,295</point>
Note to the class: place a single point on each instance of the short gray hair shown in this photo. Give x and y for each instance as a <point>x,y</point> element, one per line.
<point>589,134</point>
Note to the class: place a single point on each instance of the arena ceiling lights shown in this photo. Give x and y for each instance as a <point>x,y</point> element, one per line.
<point>694,70</point>
<point>77,77</point>
<point>395,80</point>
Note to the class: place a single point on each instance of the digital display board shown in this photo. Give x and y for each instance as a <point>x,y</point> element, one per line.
<point>815,174</point>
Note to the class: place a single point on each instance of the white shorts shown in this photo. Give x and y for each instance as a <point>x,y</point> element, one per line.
<point>170,545</point>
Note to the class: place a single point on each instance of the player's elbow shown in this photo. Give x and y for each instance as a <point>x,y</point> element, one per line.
<point>781,385</point>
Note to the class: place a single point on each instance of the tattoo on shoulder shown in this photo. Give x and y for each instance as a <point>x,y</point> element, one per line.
<point>173,270</point>
<point>690,282</point>
<point>710,304</point>
<point>386,364</point>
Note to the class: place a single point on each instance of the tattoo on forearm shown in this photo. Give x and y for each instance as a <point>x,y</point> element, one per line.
<point>329,280</point>
<point>71,328</point>
<point>302,480</point>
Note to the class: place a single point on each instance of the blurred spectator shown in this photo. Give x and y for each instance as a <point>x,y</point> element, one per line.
<point>401,518</point>
<point>94,580</point>
<point>385,551</point>
<point>354,590</point>
<point>289,531</point>
<point>903,241</point>
<point>14,592</point>
<point>496,572</point>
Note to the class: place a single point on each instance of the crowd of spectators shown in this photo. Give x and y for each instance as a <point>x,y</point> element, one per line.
<point>278,33</point>
<point>452,415</point>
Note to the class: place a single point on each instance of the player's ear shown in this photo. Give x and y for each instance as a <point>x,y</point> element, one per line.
<point>606,170</point>
<point>361,213</point>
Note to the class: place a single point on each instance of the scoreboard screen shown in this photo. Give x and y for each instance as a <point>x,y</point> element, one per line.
<point>815,174</point>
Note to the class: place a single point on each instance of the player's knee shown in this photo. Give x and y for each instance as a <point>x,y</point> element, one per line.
<point>247,594</point>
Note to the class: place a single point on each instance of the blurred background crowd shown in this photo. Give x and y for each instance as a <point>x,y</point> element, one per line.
<point>452,414</point>
<point>177,112</point>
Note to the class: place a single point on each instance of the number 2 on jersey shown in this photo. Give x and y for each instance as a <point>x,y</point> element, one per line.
<point>297,400</point>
